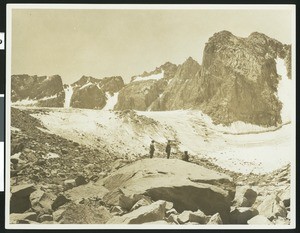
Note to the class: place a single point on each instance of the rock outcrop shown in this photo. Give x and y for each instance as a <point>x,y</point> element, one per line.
<point>182,186</point>
<point>36,90</point>
<point>144,89</point>
<point>237,81</point>
<point>89,92</point>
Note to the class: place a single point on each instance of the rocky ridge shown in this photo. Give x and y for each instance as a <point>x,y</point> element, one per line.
<point>237,81</point>
<point>41,90</point>
<point>143,90</point>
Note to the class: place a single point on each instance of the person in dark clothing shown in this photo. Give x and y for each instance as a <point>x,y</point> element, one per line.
<point>185,156</point>
<point>168,149</point>
<point>152,149</point>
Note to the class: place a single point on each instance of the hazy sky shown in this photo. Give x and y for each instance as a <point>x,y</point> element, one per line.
<point>103,43</point>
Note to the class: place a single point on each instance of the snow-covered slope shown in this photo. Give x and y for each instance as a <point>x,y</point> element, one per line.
<point>111,100</point>
<point>130,133</point>
<point>68,95</point>
<point>284,91</point>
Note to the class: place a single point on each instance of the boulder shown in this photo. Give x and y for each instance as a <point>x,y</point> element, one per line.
<point>285,196</point>
<point>282,221</point>
<point>41,202</point>
<point>116,210</point>
<point>215,220</point>
<point>15,218</point>
<point>198,217</point>
<point>86,191</point>
<point>141,202</point>
<point>84,214</point>
<point>184,216</point>
<point>58,214</point>
<point>241,215</point>
<point>45,218</point>
<point>244,196</point>
<point>69,184</point>
<point>169,205</point>
<point>175,181</point>
<point>272,207</point>
<point>150,213</point>
<point>59,201</point>
<point>259,220</point>
<point>172,218</point>
<point>80,180</point>
<point>19,200</point>
<point>171,211</point>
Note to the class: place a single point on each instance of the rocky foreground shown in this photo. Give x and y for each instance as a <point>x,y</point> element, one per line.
<point>58,181</point>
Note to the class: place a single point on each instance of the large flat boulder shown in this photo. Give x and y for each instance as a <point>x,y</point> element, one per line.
<point>188,186</point>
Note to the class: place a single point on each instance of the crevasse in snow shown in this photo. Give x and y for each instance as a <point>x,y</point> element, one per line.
<point>284,91</point>
<point>68,96</point>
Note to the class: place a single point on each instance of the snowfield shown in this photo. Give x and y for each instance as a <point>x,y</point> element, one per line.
<point>111,100</point>
<point>261,151</point>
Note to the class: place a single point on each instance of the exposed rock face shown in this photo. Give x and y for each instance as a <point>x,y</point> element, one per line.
<point>181,92</point>
<point>237,81</point>
<point>41,91</point>
<point>239,78</point>
<point>89,92</point>
<point>143,90</point>
<point>183,187</point>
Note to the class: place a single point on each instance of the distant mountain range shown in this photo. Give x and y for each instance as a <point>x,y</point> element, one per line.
<point>238,80</point>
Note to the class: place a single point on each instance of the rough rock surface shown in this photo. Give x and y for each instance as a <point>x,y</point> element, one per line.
<point>19,201</point>
<point>150,213</point>
<point>237,81</point>
<point>183,186</point>
<point>139,95</point>
<point>39,88</point>
<point>89,92</point>
<point>239,78</point>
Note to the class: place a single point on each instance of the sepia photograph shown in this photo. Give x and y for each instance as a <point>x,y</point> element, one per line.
<point>150,116</point>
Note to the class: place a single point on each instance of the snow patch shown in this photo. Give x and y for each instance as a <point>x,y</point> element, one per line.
<point>86,85</point>
<point>28,102</point>
<point>111,100</point>
<point>68,96</point>
<point>284,91</point>
<point>51,155</point>
<point>150,77</point>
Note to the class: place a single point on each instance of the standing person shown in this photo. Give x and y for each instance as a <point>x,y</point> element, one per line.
<point>152,149</point>
<point>185,156</point>
<point>168,149</point>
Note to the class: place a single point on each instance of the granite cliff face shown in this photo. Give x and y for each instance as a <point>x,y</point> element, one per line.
<point>37,90</point>
<point>89,92</point>
<point>144,89</point>
<point>237,81</point>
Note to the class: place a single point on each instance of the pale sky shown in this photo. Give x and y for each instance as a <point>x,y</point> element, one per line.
<point>102,43</point>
